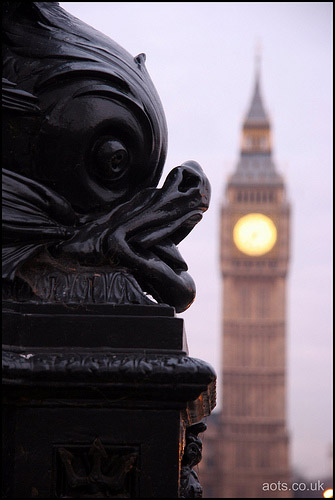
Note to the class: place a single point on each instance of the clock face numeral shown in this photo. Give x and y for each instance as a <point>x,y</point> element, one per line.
<point>255,234</point>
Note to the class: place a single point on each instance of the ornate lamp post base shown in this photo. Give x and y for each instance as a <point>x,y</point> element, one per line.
<point>89,420</point>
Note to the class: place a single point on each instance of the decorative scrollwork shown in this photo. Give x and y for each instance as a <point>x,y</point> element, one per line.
<point>189,483</point>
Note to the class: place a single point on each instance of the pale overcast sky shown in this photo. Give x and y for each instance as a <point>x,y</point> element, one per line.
<point>201,56</point>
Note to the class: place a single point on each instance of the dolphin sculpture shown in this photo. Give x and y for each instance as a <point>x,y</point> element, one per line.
<point>85,141</point>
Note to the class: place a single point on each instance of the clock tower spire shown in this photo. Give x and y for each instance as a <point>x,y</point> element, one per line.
<point>255,165</point>
<point>254,264</point>
<point>256,133</point>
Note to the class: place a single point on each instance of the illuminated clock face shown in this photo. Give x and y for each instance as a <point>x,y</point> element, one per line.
<point>255,234</point>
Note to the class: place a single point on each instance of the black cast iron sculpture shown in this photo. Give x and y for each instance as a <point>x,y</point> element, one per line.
<point>86,137</point>
<point>98,389</point>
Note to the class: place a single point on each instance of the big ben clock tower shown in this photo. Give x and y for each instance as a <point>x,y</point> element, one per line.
<point>254,265</point>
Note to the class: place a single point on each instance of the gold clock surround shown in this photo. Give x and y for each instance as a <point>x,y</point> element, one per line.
<point>255,234</point>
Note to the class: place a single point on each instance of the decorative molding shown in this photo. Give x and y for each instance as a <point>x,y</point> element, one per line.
<point>172,378</point>
<point>100,364</point>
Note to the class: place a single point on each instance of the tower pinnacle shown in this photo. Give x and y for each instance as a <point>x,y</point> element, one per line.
<point>255,164</point>
<point>257,114</point>
<point>258,59</point>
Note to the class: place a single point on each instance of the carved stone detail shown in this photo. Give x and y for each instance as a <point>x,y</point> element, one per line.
<point>189,482</point>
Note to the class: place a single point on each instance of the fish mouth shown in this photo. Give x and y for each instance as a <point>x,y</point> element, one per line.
<point>168,252</point>
<point>157,221</point>
<point>161,241</point>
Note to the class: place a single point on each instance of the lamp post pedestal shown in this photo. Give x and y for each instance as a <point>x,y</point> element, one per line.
<point>97,418</point>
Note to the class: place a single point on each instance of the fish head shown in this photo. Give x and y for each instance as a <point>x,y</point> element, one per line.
<point>97,146</point>
<point>92,127</point>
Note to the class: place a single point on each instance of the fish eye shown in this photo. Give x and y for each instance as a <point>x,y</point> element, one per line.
<point>109,158</point>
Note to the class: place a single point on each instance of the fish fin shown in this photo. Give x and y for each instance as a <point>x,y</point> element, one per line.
<point>17,99</point>
<point>140,59</point>
<point>33,216</point>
